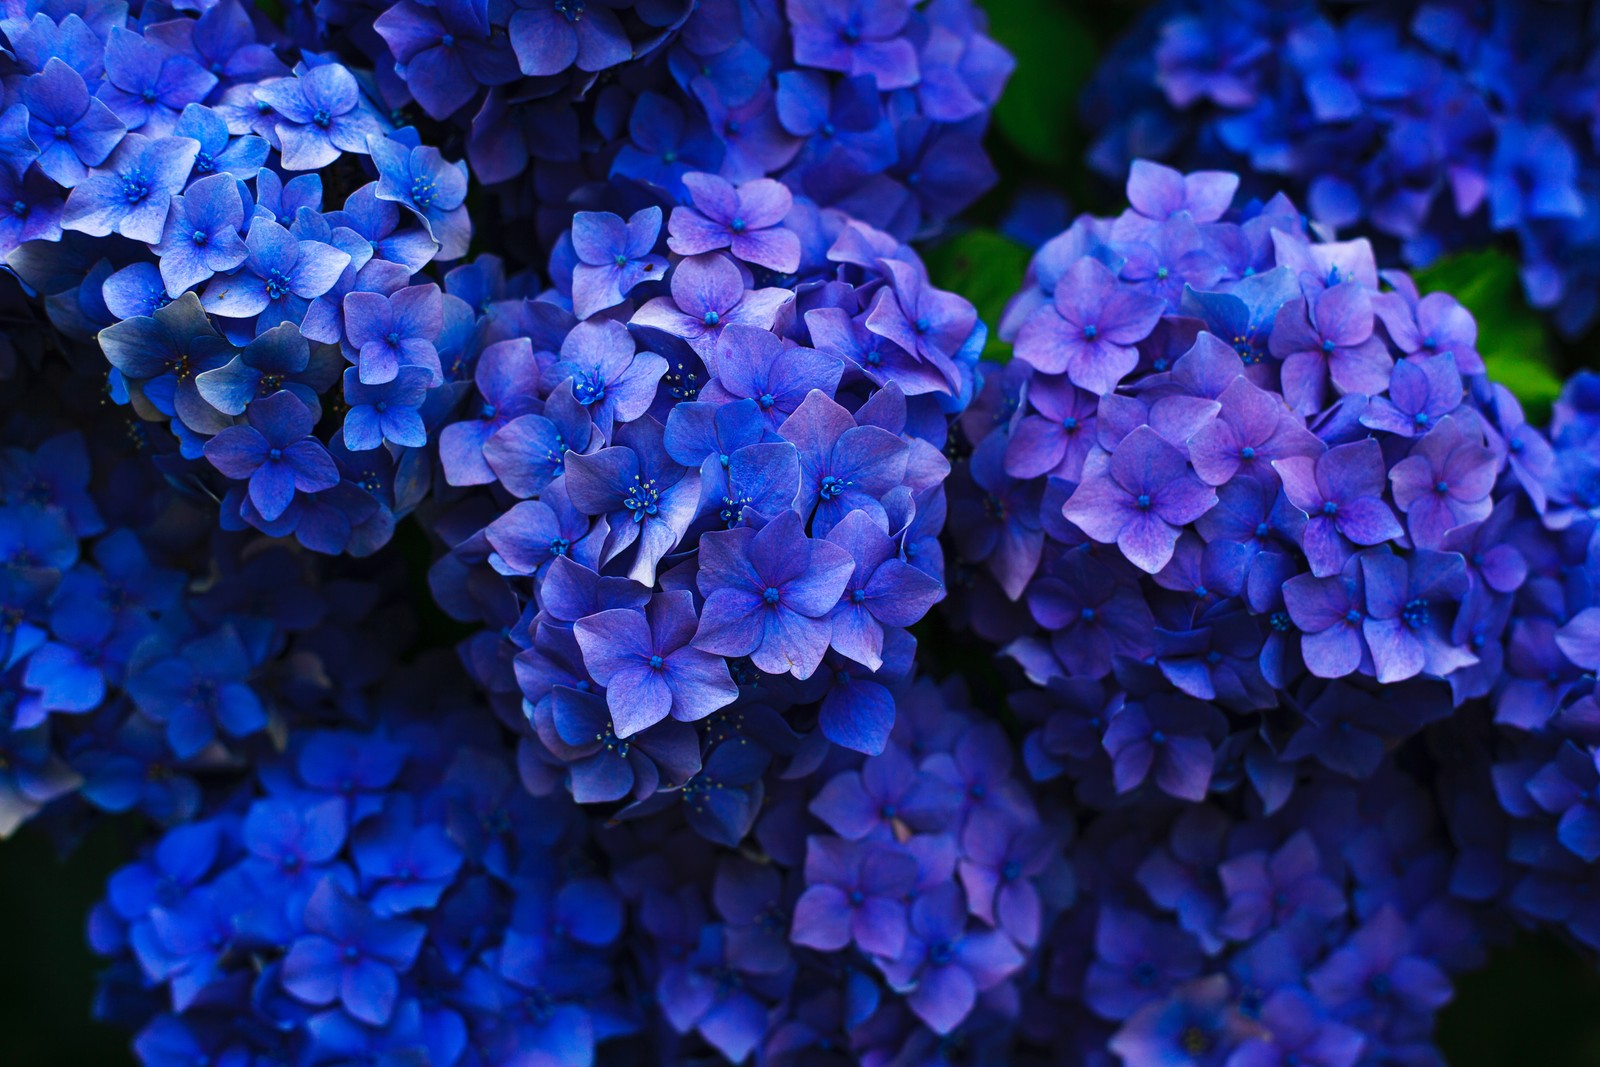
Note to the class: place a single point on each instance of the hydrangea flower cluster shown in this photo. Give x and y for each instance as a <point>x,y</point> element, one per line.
<point>1248,515</point>
<point>724,495</point>
<point>130,672</point>
<point>387,895</point>
<point>1438,124</point>
<point>1247,484</point>
<point>1293,710</point>
<point>876,107</point>
<point>175,193</point>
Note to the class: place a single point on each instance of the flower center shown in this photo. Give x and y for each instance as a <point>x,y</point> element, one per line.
<point>321,118</point>
<point>737,225</point>
<point>1143,502</point>
<point>572,9</point>
<point>590,390</point>
<point>1415,614</point>
<point>423,191</point>
<point>832,488</point>
<point>1330,509</point>
<point>135,187</point>
<point>656,662</point>
<point>1091,332</point>
<point>772,595</point>
<point>199,237</point>
<point>711,318</point>
<point>277,285</point>
<point>1195,1040</point>
<point>643,499</point>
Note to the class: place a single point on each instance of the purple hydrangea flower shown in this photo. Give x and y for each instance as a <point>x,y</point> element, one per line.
<point>613,257</point>
<point>72,130</point>
<point>708,295</point>
<point>1090,330</point>
<point>1341,494</point>
<point>320,116</point>
<point>275,453</point>
<point>1444,482</point>
<point>747,220</point>
<point>647,498</point>
<point>350,956</point>
<point>387,412</point>
<point>843,467</point>
<point>395,331</point>
<point>551,35</point>
<point>1137,497</point>
<point>1325,338</point>
<point>201,235</point>
<point>770,594</point>
<point>648,666</point>
<point>280,277</point>
<point>855,891</point>
<point>610,377</point>
<point>131,191</point>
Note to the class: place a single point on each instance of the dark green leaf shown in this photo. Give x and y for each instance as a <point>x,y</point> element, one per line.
<point>1055,55</point>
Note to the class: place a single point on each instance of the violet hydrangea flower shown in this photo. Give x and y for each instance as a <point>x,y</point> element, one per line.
<point>131,191</point>
<point>275,453</point>
<point>395,331</point>
<point>320,116</point>
<point>279,278</point>
<point>73,130</point>
<point>1444,483</point>
<point>649,667</point>
<point>855,891</point>
<point>1341,494</point>
<point>747,220</point>
<point>1138,497</point>
<point>769,594</point>
<point>1328,338</point>
<point>610,377</point>
<point>647,498</point>
<point>201,235</point>
<point>708,295</point>
<point>1088,333</point>
<point>613,257</point>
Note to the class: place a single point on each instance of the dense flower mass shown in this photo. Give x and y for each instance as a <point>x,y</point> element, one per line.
<point>1436,124</point>
<point>560,583</point>
<point>1248,514</point>
<point>875,107</point>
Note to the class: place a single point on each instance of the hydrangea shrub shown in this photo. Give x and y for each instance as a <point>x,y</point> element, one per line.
<point>495,499</point>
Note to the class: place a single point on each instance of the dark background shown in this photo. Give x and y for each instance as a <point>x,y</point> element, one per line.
<point>1538,1002</point>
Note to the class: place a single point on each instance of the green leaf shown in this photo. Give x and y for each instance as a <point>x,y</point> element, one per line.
<point>1511,335</point>
<point>985,267</point>
<point>1055,55</point>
